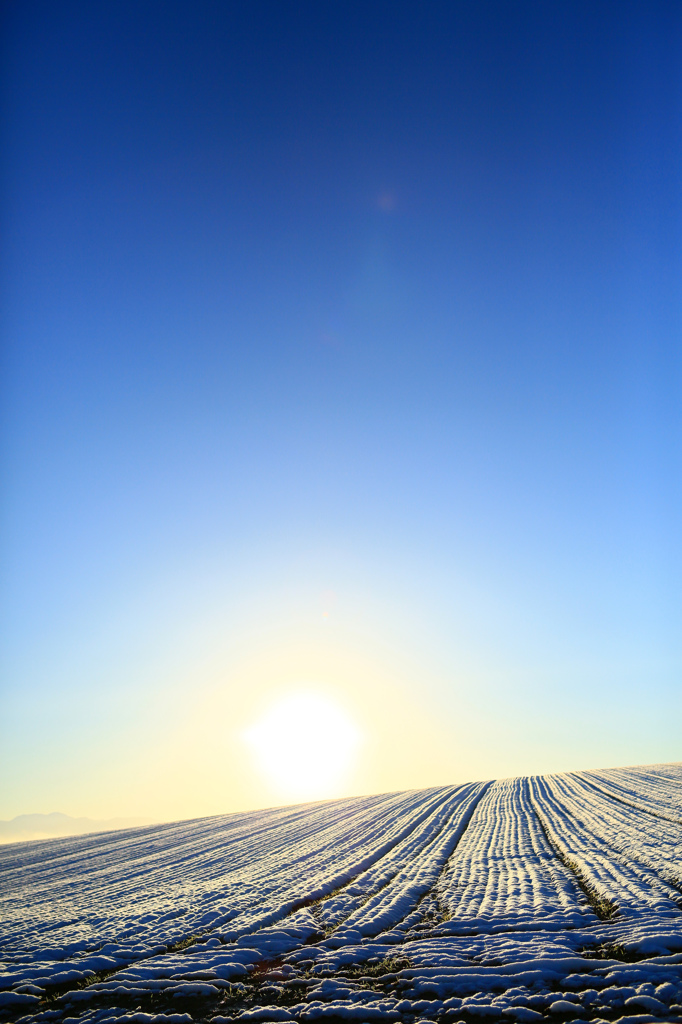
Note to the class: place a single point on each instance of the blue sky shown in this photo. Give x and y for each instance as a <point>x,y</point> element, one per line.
<point>342,352</point>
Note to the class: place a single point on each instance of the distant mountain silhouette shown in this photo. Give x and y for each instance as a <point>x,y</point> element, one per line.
<point>51,826</point>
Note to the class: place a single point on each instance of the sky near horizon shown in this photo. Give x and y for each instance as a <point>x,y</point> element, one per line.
<point>341,398</point>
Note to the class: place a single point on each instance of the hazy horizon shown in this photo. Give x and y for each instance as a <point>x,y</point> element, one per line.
<point>34,827</point>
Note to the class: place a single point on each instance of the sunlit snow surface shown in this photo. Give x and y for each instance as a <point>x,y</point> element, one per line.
<point>557,897</point>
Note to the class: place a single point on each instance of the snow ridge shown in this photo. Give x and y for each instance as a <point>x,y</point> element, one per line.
<point>555,897</point>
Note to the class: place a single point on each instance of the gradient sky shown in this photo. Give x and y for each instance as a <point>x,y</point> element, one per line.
<point>342,358</point>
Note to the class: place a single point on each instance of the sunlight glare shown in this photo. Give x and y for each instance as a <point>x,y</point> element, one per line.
<point>304,745</point>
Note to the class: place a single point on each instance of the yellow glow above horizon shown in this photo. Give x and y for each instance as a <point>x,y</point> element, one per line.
<point>305,746</point>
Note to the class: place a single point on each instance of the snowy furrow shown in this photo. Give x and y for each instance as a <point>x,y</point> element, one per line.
<point>220,962</point>
<point>400,894</point>
<point>622,885</point>
<point>340,905</point>
<point>651,846</point>
<point>654,790</point>
<point>516,975</point>
<point>489,900</point>
<point>652,841</point>
<point>250,871</point>
<point>312,879</point>
<point>504,873</point>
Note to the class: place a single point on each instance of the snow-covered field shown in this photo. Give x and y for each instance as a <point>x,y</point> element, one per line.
<point>554,897</point>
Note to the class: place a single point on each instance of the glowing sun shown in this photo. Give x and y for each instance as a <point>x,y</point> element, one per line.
<point>305,745</point>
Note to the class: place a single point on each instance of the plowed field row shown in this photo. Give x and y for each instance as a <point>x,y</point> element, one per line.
<point>555,897</point>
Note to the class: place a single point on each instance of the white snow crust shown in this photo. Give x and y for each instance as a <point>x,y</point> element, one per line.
<point>553,898</point>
